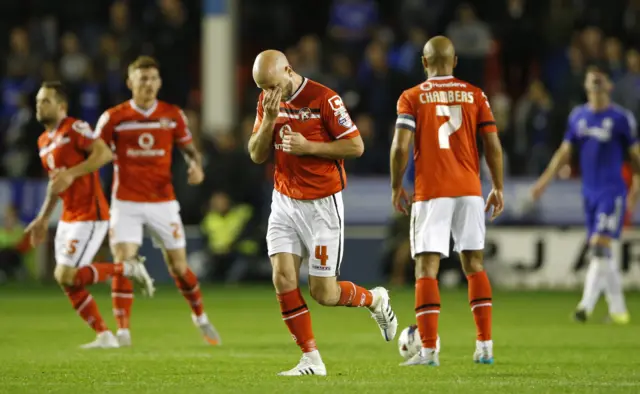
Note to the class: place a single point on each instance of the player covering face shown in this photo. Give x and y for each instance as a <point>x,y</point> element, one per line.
<point>603,133</point>
<point>143,132</point>
<point>71,153</point>
<point>309,130</point>
<point>441,117</point>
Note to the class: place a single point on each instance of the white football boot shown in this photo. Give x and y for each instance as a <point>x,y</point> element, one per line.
<point>425,356</point>
<point>207,329</point>
<point>483,353</point>
<point>310,364</point>
<point>124,337</point>
<point>134,269</point>
<point>383,314</point>
<point>104,340</point>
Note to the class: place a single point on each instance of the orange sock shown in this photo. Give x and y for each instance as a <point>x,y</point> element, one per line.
<point>188,285</point>
<point>354,295</point>
<point>480,301</point>
<point>86,307</point>
<point>96,273</point>
<point>122,300</point>
<point>298,319</point>
<point>427,310</point>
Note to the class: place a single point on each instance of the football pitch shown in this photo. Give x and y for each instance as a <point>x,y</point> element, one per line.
<point>538,349</point>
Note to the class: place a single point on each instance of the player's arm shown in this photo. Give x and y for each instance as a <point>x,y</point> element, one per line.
<point>560,158</point>
<point>266,115</point>
<point>400,151</point>
<point>37,229</point>
<point>191,154</point>
<point>98,154</point>
<point>347,143</point>
<point>184,140</point>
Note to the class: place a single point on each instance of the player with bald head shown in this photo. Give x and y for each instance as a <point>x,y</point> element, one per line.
<point>441,116</point>
<point>308,128</point>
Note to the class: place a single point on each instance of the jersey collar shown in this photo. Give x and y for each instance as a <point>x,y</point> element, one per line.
<point>440,78</point>
<point>297,92</point>
<point>54,130</point>
<point>144,112</point>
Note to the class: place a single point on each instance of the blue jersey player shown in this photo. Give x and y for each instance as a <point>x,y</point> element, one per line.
<point>603,134</point>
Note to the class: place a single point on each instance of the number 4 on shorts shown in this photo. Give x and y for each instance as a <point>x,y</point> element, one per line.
<point>321,254</point>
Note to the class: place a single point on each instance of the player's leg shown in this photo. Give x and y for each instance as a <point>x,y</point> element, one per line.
<point>429,236</point>
<point>606,227</point>
<point>468,230</point>
<point>164,221</point>
<point>594,281</point>
<point>125,238</point>
<point>286,251</point>
<point>322,227</point>
<point>75,245</point>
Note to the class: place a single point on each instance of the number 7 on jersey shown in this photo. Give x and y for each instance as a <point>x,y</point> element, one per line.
<point>453,123</point>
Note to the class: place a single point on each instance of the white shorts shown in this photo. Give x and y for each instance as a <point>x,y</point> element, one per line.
<point>311,229</point>
<point>434,220</point>
<point>161,218</point>
<point>77,243</point>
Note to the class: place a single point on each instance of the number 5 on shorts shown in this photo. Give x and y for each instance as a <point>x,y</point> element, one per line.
<point>454,113</point>
<point>321,254</point>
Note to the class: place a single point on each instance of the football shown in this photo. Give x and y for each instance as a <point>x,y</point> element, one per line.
<point>409,342</point>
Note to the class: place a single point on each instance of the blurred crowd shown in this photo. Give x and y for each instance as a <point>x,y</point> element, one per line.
<point>528,55</point>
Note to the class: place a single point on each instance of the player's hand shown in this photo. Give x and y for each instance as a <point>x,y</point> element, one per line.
<point>295,143</point>
<point>538,190</point>
<point>60,181</point>
<point>271,103</point>
<point>401,201</point>
<point>495,200</point>
<point>195,174</point>
<point>37,230</point>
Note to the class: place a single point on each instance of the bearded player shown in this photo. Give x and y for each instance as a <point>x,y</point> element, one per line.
<point>309,130</point>
<point>604,134</point>
<point>72,154</point>
<point>142,133</point>
<point>442,115</point>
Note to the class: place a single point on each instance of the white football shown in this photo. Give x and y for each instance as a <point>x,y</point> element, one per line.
<point>409,342</point>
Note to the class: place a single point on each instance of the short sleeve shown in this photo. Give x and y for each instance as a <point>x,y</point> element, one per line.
<point>570,135</point>
<point>629,129</point>
<point>406,115</point>
<point>104,127</point>
<point>259,113</point>
<point>486,122</point>
<point>181,133</point>
<point>82,134</point>
<point>336,118</point>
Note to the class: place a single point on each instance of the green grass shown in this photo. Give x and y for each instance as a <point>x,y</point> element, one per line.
<point>537,348</point>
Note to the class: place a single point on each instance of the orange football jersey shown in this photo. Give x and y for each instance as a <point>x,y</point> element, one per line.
<point>143,141</point>
<point>65,147</point>
<point>318,113</point>
<point>445,113</point>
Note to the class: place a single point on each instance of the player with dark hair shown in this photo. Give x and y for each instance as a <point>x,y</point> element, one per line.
<point>142,133</point>
<point>604,134</point>
<point>72,153</point>
<point>308,128</point>
<point>442,116</point>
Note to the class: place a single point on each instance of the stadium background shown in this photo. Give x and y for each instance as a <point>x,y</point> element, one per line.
<point>529,57</point>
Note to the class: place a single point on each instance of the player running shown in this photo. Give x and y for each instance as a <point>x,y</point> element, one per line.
<point>142,132</point>
<point>443,115</point>
<point>603,133</point>
<point>308,127</point>
<point>72,153</point>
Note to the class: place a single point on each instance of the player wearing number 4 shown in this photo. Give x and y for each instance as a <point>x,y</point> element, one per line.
<point>604,134</point>
<point>311,133</point>
<point>442,116</point>
<point>72,154</point>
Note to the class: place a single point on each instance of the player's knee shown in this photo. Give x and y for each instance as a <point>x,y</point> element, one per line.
<point>124,251</point>
<point>177,262</point>
<point>325,291</point>
<point>284,272</point>
<point>427,265</point>
<point>472,261</point>
<point>65,276</point>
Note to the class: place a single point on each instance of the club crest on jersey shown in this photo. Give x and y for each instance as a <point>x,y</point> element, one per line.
<point>165,123</point>
<point>305,114</point>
